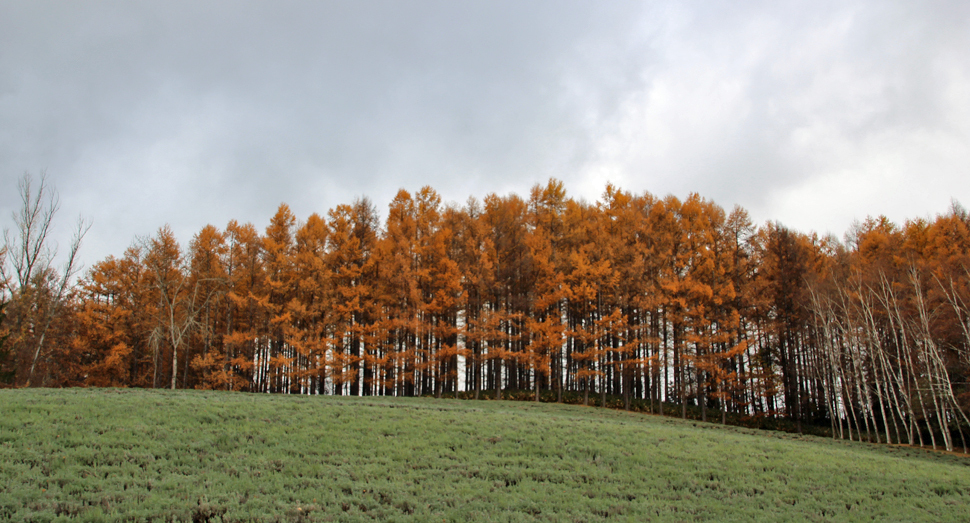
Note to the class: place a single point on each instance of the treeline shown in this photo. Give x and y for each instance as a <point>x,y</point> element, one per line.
<point>634,296</point>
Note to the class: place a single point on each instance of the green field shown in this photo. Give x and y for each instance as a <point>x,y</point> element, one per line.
<point>136,455</point>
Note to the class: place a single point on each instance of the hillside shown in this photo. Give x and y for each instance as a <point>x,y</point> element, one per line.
<point>124,454</point>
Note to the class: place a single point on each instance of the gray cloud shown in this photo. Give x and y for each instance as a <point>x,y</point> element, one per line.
<point>192,113</point>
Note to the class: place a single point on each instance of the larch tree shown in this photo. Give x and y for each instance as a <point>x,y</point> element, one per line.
<point>246,306</point>
<point>400,293</point>
<point>276,357</point>
<point>507,304</point>
<point>476,262</point>
<point>309,308</point>
<point>103,349</point>
<point>439,282</point>
<point>353,231</point>
<point>207,251</point>
<point>345,264</point>
<point>589,278</point>
<point>550,291</point>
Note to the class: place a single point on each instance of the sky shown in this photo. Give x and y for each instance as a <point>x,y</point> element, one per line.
<point>813,114</point>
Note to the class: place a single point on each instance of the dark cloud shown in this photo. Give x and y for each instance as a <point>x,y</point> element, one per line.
<point>199,112</point>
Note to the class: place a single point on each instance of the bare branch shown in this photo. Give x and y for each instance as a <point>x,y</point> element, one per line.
<point>30,249</point>
<point>30,253</point>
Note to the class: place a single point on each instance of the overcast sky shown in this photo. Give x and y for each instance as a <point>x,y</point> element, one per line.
<point>810,113</point>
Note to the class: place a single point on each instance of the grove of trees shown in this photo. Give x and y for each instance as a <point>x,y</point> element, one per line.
<point>647,299</point>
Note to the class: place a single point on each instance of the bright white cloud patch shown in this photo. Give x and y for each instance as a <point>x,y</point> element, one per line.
<point>813,121</point>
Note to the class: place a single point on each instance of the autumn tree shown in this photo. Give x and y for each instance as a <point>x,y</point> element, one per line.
<point>352,238</point>
<point>108,325</point>
<point>550,292</point>
<point>399,293</point>
<point>246,306</point>
<point>306,333</point>
<point>476,259</point>
<point>275,357</point>
<point>206,256</point>
<point>508,299</point>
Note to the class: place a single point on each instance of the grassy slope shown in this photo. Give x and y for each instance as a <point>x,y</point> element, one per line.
<point>148,455</point>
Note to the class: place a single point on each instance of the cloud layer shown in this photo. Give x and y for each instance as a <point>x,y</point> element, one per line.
<point>191,113</point>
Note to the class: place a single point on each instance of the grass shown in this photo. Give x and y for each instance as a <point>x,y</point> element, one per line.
<point>819,428</point>
<point>137,455</point>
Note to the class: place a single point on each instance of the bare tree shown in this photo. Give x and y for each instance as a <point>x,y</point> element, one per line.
<point>37,287</point>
